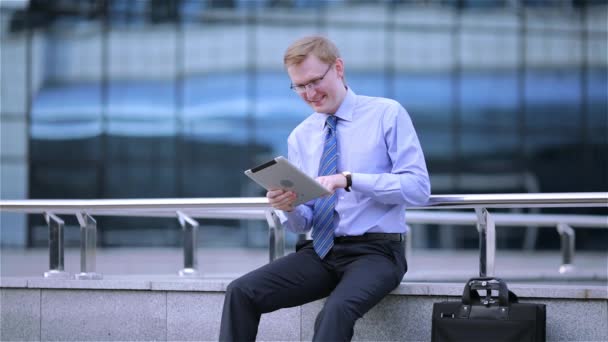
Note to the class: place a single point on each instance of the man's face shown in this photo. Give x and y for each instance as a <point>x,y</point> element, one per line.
<point>320,85</point>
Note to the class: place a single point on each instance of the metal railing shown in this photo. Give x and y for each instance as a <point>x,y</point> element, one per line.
<point>187,210</point>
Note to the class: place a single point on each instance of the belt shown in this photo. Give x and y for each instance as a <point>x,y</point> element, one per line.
<point>370,237</point>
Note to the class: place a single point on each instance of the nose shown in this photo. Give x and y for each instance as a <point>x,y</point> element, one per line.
<point>310,91</point>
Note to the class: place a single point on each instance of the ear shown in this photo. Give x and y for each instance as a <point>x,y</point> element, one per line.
<point>339,67</point>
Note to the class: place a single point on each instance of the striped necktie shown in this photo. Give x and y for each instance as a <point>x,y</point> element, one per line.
<point>323,212</point>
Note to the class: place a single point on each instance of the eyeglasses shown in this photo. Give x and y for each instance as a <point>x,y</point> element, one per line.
<point>301,89</point>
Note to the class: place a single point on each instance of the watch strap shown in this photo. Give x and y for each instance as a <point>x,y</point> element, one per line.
<point>349,180</point>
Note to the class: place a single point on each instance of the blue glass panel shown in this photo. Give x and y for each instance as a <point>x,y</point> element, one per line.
<point>428,93</point>
<point>489,98</point>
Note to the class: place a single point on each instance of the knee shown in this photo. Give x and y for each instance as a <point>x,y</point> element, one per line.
<point>238,288</point>
<point>240,296</point>
<point>339,310</point>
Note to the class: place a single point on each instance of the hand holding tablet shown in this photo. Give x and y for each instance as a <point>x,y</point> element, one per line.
<point>279,173</point>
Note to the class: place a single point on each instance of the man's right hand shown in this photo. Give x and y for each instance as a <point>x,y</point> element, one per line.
<point>281,199</point>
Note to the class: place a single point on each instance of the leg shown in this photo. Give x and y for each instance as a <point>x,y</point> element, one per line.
<point>293,280</point>
<point>369,271</point>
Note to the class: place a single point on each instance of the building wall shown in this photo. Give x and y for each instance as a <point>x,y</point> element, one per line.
<point>14,131</point>
<point>372,38</point>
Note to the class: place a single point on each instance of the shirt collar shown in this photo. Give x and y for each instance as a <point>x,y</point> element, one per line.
<point>345,111</point>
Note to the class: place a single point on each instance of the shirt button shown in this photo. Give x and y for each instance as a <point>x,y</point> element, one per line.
<point>342,197</point>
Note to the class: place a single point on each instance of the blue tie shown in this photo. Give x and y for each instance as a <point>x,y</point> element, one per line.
<point>323,212</point>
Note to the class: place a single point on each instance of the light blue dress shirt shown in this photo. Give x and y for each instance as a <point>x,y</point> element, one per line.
<point>378,144</point>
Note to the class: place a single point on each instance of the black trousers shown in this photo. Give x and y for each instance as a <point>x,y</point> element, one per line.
<point>354,276</point>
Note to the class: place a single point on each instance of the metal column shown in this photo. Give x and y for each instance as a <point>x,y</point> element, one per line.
<point>88,247</point>
<point>56,269</point>
<point>566,234</point>
<point>190,229</point>
<point>487,242</point>
<point>276,236</point>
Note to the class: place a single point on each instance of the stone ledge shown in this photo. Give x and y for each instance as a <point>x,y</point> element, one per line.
<point>560,291</point>
<point>191,285</point>
<point>101,284</point>
<point>11,282</point>
<point>521,290</point>
<point>173,283</point>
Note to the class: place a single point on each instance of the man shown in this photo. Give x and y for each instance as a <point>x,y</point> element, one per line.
<point>366,152</point>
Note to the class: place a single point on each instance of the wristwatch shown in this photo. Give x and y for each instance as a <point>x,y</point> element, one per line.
<point>349,180</point>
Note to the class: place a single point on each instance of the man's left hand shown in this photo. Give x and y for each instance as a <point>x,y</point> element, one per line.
<point>333,182</point>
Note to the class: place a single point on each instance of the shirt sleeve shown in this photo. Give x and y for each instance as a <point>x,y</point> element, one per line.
<point>300,219</point>
<point>408,182</point>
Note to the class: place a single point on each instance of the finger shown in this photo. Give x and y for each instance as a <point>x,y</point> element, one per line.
<point>326,183</point>
<point>286,202</point>
<point>283,206</point>
<point>274,193</point>
<point>285,199</point>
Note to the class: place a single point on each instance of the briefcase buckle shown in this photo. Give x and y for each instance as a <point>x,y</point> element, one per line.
<point>488,301</point>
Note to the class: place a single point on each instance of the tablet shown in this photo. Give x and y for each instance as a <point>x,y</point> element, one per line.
<point>279,173</point>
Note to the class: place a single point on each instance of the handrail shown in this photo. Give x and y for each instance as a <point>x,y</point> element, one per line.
<point>539,220</point>
<point>528,200</point>
<point>135,207</point>
<point>257,208</point>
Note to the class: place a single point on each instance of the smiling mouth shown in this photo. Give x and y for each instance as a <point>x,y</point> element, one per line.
<point>317,102</point>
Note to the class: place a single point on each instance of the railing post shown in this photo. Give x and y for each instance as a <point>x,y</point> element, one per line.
<point>276,236</point>
<point>487,242</point>
<point>567,240</point>
<point>88,247</point>
<point>408,244</point>
<point>190,228</point>
<point>56,269</point>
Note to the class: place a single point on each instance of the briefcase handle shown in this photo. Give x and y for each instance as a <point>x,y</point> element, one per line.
<point>488,284</point>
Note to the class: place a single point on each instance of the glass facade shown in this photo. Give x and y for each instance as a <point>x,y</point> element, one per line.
<point>159,99</point>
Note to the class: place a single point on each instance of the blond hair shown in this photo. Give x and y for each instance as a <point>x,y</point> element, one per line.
<point>319,46</point>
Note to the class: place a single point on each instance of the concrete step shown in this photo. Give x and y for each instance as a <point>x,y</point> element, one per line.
<point>167,308</point>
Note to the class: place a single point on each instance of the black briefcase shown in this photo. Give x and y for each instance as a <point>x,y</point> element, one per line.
<point>488,318</point>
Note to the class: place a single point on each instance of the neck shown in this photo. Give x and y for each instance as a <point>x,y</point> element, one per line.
<point>341,96</point>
